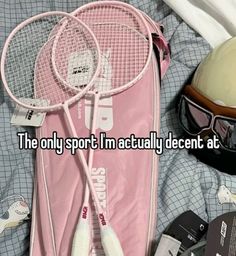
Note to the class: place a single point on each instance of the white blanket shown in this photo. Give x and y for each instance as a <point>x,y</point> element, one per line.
<point>215,20</point>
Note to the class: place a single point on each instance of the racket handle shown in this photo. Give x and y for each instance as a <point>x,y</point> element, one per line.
<point>81,240</point>
<point>110,242</point>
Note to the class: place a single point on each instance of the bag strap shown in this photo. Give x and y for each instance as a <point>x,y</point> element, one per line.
<point>161,44</point>
<point>164,52</point>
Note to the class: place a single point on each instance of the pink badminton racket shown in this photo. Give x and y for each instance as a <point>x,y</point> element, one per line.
<point>126,45</point>
<point>43,66</point>
<point>23,69</point>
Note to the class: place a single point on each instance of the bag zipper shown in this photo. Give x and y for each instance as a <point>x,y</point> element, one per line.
<point>156,127</point>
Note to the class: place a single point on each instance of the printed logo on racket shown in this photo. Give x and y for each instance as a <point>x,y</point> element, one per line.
<point>80,69</point>
<point>102,219</point>
<point>84,212</point>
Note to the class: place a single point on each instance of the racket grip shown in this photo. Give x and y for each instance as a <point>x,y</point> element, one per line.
<point>81,240</point>
<point>110,242</point>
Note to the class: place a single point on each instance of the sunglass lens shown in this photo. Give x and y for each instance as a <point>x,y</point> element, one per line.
<point>226,131</point>
<point>192,118</point>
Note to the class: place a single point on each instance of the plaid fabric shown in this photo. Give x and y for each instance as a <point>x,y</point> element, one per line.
<point>184,183</point>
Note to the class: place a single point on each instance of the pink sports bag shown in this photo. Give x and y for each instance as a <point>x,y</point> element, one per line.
<point>125,179</point>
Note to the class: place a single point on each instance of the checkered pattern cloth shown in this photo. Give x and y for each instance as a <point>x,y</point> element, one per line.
<point>184,182</point>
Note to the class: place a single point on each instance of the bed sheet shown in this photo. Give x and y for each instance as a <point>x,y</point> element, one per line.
<point>184,182</point>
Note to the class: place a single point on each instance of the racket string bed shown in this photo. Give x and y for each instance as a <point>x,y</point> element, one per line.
<point>20,57</point>
<point>22,54</point>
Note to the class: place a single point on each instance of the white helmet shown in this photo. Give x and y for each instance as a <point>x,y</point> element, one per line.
<point>215,77</point>
<point>207,106</point>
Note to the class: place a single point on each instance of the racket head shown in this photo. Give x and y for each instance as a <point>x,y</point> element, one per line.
<point>121,30</point>
<point>20,54</point>
<point>102,17</point>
